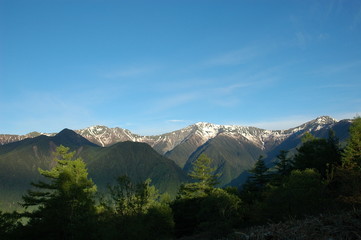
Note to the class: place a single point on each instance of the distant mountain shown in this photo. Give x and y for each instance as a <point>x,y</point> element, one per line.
<point>19,163</point>
<point>234,149</point>
<point>9,138</point>
<point>319,127</point>
<point>136,160</point>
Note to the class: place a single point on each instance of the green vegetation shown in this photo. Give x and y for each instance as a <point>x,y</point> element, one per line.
<point>65,207</point>
<point>321,177</point>
<point>201,207</point>
<point>205,180</point>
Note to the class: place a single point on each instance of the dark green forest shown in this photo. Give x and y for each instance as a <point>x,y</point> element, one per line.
<point>321,177</point>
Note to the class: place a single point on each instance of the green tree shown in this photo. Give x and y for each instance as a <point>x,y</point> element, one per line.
<point>204,179</point>
<point>132,199</point>
<point>215,213</point>
<point>10,225</point>
<point>351,157</point>
<point>63,208</point>
<point>345,186</point>
<point>318,153</point>
<point>253,189</point>
<point>301,193</point>
<point>285,164</point>
<point>283,168</point>
<point>201,207</point>
<point>135,211</point>
<point>307,137</point>
<point>259,176</point>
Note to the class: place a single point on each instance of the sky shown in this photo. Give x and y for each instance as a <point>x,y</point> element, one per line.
<point>158,66</point>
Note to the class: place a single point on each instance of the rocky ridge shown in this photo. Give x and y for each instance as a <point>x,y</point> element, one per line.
<point>202,131</point>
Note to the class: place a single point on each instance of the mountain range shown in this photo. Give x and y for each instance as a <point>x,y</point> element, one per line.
<point>166,158</point>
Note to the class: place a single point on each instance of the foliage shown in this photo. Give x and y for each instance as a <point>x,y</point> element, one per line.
<point>216,213</point>
<point>285,164</point>
<point>351,157</point>
<point>253,189</point>
<point>283,168</point>
<point>135,211</point>
<point>64,207</point>
<point>301,193</point>
<point>9,224</point>
<point>260,177</point>
<point>345,185</point>
<point>201,207</point>
<point>203,175</point>
<point>346,188</point>
<point>318,153</point>
<point>133,199</point>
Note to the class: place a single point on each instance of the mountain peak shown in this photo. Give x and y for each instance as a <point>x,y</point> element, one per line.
<point>205,124</point>
<point>70,137</point>
<point>316,124</point>
<point>208,130</point>
<point>325,120</point>
<point>66,131</point>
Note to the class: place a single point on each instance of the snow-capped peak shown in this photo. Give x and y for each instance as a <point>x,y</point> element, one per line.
<point>207,130</point>
<point>325,120</point>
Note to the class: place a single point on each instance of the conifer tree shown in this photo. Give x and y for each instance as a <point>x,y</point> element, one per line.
<point>346,183</point>
<point>284,166</point>
<point>64,206</point>
<point>260,176</point>
<point>203,175</point>
<point>318,153</point>
<point>352,153</point>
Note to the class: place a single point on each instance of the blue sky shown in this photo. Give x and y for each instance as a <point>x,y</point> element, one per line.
<point>156,66</point>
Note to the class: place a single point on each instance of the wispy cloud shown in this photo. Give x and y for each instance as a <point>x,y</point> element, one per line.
<point>185,84</point>
<point>338,68</point>
<point>231,88</point>
<point>341,85</point>
<point>46,112</point>
<point>235,57</point>
<point>176,121</point>
<point>130,71</point>
<point>166,103</point>
<point>286,122</point>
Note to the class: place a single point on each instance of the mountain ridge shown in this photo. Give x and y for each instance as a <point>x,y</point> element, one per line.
<point>166,158</point>
<point>106,136</point>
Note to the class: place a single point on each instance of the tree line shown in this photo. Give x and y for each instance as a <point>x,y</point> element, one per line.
<point>321,176</point>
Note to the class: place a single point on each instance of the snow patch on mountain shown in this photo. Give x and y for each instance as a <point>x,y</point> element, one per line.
<point>199,132</point>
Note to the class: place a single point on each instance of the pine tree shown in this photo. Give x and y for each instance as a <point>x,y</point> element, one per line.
<point>346,182</point>
<point>260,176</point>
<point>254,187</point>
<point>64,206</point>
<point>284,166</point>
<point>203,175</point>
<point>318,153</point>
<point>352,153</point>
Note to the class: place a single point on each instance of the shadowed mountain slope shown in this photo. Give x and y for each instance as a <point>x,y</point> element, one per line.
<point>20,161</point>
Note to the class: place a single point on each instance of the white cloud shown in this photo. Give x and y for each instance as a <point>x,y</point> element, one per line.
<point>130,71</point>
<point>234,57</point>
<point>176,121</point>
<point>281,123</point>
<point>163,104</point>
<point>338,68</point>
